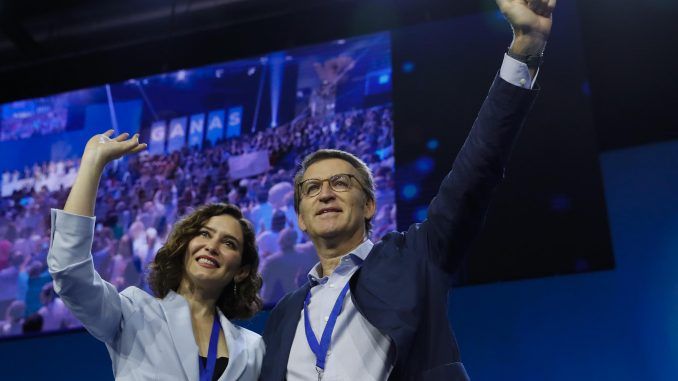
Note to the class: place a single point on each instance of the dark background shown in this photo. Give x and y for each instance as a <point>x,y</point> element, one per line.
<point>548,217</point>
<point>629,47</point>
<point>617,324</point>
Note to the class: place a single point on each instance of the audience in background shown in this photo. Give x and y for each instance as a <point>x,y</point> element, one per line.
<point>141,198</point>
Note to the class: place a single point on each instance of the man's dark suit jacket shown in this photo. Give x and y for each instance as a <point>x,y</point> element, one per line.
<point>402,286</point>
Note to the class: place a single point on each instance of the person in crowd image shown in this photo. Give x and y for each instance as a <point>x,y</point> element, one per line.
<point>142,196</point>
<point>283,268</point>
<point>14,319</point>
<point>55,315</point>
<point>202,277</point>
<point>378,310</point>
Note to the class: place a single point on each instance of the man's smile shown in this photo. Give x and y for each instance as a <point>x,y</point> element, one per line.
<point>328,210</point>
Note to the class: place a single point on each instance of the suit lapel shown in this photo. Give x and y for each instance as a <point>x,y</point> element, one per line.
<point>178,317</point>
<point>288,328</point>
<point>237,351</point>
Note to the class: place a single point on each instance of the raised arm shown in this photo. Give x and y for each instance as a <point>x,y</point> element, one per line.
<point>99,151</point>
<point>456,214</point>
<point>531,23</point>
<point>93,301</point>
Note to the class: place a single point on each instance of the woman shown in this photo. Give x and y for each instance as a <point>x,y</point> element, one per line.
<point>203,276</point>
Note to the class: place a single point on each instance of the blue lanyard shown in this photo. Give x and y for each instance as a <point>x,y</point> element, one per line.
<point>207,371</point>
<point>320,349</point>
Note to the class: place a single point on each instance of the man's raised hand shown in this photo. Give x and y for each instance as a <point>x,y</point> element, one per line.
<point>531,23</point>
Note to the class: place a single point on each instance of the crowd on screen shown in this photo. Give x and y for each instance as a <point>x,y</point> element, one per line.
<point>140,199</point>
<point>43,123</point>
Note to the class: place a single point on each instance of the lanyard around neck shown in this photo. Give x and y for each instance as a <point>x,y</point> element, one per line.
<point>207,371</point>
<point>320,349</point>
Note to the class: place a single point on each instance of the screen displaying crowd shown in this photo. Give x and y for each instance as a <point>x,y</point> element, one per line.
<point>23,119</point>
<point>142,197</point>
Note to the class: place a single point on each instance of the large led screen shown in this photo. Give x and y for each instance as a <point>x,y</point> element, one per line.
<point>228,132</point>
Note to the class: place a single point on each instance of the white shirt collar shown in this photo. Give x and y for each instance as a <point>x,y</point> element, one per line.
<point>347,261</point>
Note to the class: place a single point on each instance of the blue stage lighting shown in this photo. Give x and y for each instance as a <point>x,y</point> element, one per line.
<point>410,191</point>
<point>425,164</point>
<point>561,203</point>
<point>421,213</point>
<point>408,67</point>
<point>432,144</point>
<point>586,88</point>
<point>277,63</point>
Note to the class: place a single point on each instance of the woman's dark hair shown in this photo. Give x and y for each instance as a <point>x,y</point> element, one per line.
<point>168,267</point>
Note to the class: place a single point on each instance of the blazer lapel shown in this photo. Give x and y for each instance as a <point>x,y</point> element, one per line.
<point>288,327</point>
<point>238,355</point>
<point>178,317</point>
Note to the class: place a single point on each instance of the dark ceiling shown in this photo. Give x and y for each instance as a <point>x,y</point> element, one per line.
<point>43,42</point>
<point>42,32</point>
<point>39,31</point>
<point>54,46</point>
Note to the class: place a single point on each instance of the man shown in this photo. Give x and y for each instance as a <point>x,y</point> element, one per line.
<point>375,311</point>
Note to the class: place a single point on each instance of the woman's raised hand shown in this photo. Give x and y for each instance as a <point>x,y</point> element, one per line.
<point>101,149</point>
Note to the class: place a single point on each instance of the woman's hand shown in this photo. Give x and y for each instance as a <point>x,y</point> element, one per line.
<point>101,149</point>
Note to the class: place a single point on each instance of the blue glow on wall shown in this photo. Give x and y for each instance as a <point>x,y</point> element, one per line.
<point>277,63</point>
<point>408,67</point>
<point>410,191</point>
<point>425,164</point>
<point>421,213</point>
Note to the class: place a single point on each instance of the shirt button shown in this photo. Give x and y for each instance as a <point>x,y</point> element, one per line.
<point>523,81</point>
<point>326,318</point>
<point>331,285</point>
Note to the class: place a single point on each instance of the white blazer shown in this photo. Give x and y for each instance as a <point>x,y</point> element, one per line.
<point>147,338</point>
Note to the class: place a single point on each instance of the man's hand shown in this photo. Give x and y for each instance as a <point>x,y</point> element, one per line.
<point>531,24</point>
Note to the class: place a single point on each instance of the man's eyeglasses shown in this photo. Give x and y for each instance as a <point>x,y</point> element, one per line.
<point>339,183</point>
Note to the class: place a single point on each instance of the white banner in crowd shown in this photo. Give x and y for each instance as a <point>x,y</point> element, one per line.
<point>215,126</point>
<point>234,122</point>
<point>58,177</point>
<point>177,134</point>
<point>196,130</point>
<point>156,145</point>
<point>249,164</point>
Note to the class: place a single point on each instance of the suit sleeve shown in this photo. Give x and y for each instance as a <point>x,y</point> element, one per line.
<point>456,213</point>
<point>95,302</point>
